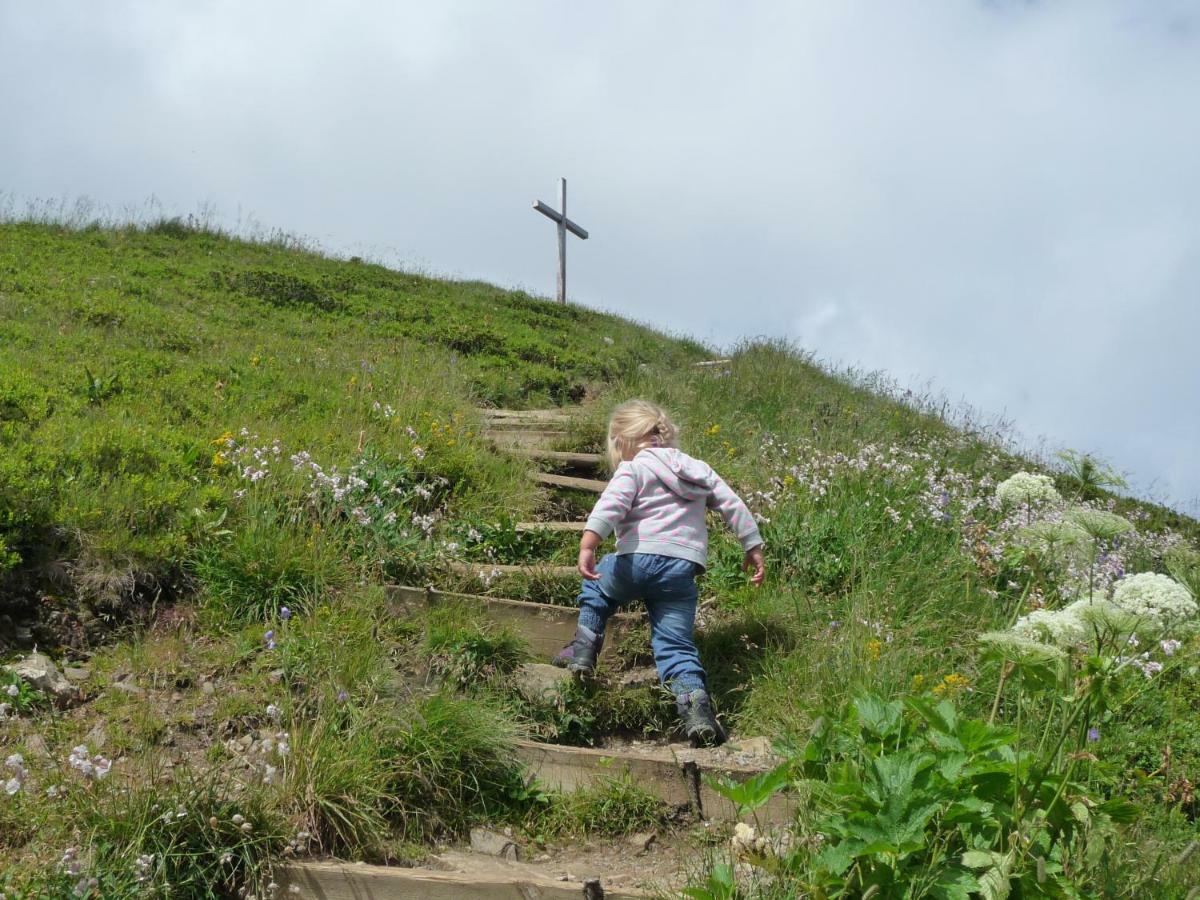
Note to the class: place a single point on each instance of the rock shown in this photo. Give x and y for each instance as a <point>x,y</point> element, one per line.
<point>176,697</point>
<point>640,677</point>
<point>493,843</point>
<point>39,671</point>
<point>128,687</point>
<point>96,738</point>
<point>208,688</point>
<point>540,681</point>
<point>77,673</point>
<point>275,676</point>
<point>35,744</point>
<point>642,840</point>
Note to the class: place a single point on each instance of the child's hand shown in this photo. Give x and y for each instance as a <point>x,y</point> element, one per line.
<point>587,564</point>
<point>754,561</point>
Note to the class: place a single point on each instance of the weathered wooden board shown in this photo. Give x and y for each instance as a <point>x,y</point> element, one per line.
<point>535,570</point>
<point>578,460</point>
<point>527,415</point>
<point>566,481</point>
<point>547,628</point>
<point>676,776</point>
<point>484,880</point>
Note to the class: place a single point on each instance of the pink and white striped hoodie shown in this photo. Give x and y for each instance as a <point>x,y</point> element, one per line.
<point>656,504</point>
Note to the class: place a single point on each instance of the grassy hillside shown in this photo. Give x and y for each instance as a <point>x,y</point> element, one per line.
<point>215,454</point>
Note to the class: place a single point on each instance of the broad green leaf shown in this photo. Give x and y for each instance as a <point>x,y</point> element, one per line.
<point>954,884</point>
<point>882,718</point>
<point>753,793</point>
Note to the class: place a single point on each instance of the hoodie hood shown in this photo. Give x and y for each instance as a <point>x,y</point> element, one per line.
<point>683,475</point>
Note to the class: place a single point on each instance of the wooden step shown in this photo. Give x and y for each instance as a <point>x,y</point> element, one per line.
<point>711,363</point>
<point>674,773</point>
<point>526,415</point>
<point>546,628</point>
<point>525,439</point>
<point>498,570</point>
<point>593,485</point>
<point>508,426</point>
<point>552,526</point>
<point>578,460</point>
<point>472,877</point>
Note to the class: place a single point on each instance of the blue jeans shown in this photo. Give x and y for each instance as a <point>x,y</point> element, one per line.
<point>668,587</point>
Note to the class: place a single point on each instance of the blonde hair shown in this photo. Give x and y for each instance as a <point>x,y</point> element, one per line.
<point>637,424</point>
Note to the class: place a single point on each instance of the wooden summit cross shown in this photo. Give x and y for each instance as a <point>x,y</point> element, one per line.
<point>559,217</point>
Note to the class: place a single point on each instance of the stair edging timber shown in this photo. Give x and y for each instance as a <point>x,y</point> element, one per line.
<point>546,627</point>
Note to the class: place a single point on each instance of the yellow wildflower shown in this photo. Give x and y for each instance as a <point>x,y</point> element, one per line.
<point>714,429</point>
<point>255,360</point>
<point>225,438</point>
<point>918,681</point>
<point>874,648</point>
<point>788,480</point>
<point>219,460</point>
<point>951,684</point>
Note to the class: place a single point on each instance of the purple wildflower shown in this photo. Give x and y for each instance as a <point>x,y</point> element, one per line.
<point>342,696</point>
<point>1093,734</point>
<point>285,613</point>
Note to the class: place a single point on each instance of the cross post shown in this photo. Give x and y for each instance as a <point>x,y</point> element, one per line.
<point>559,218</point>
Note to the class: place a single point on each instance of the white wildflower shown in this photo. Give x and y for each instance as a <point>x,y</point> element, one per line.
<point>1060,626</point>
<point>747,842</point>
<point>12,690</point>
<point>12,786</point>
<point>1156,598</point>
<point>1169,646</point>
<point>1026,488</point>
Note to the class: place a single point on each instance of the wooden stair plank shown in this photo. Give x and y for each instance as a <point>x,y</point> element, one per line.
<point>546,628</point>
<point>674,775</point>
<point>552,526</point>
<point>484,880</point>
<point>510,426</point>
<point>503,569</point>
<point>529,415</point>
<point>580,460</point>
<point>593,485</point>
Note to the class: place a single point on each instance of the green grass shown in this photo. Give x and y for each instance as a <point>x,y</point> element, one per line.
<point>132,358</point>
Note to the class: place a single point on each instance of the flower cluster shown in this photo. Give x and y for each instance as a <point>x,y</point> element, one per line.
<point>362,494</point>
<point>72,865</point>
<point>746,842</point>
<point>95,767</point>
<point>1027,489</point>
<point>15,764</point>
<point>1157,598</point>
<point>943,493</point>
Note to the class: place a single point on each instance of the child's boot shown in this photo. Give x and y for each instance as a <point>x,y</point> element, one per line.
<point>581,654</point>
<point>699,723</point>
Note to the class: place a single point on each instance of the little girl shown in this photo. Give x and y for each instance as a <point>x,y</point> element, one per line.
<point>656,503</point>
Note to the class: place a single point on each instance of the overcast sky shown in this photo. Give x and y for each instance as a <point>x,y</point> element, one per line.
<point>1002,198</point>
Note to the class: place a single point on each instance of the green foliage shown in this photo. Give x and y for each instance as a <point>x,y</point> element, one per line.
<point>468,650</point>
<point>127,351</point>
<point>615,806</point>
<point>19,694</point>
<point>454,767</point>
<point>914,800</point>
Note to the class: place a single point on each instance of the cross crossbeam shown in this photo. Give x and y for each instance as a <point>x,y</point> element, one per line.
<point>559,218</point>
